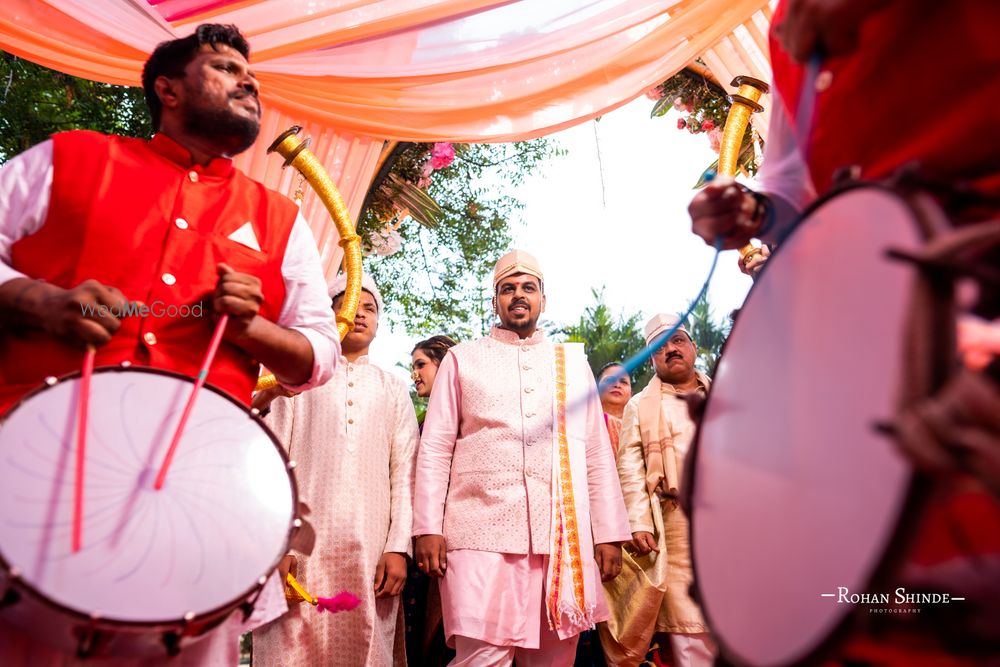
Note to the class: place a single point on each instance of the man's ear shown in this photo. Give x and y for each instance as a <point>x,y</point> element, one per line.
<point>543,304</point>
<point>168,90</point>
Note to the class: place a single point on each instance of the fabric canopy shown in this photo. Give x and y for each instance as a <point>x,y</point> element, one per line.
<point>358,72</point>
<point>410,70</point>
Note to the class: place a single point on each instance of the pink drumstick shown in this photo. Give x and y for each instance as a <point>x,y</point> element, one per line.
<point>81,444</point>
<point>213,347</point>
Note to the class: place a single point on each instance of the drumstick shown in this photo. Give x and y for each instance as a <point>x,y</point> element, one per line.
<point>213,347</point>
<point>81,444</point>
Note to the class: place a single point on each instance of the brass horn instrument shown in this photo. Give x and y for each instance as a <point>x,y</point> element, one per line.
<point>744,102</point>
<point>298,155</point>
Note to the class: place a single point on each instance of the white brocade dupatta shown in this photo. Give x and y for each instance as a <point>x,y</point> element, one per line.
<point>570,590</point>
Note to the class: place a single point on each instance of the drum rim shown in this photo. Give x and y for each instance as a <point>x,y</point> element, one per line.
<point>101,622</point>
<point>916,496</point>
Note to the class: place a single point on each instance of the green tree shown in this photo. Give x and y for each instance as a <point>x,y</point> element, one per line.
<point>708,335</point>
<point>439,280</point>
<point>608,338</point>
<point>36,101</point>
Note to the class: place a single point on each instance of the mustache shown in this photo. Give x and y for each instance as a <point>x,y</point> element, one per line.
<point>519,302</point>
<point>674,355</point>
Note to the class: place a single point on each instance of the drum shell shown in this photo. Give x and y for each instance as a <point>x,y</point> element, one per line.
<point>71,627</point>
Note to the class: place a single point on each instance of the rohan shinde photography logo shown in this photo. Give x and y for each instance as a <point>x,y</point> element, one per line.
<point>899,601</point>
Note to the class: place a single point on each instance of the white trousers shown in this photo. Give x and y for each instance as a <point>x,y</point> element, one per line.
<point>694,650</point>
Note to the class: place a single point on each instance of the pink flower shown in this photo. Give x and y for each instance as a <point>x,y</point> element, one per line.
<point>715,139</point>
<point>423,182</point>
<point>442,155</point>
<point>427,169</point>
<point>680,106</point>
<point>654,93</point>
<point>707,124</point>
<point>681,123</point>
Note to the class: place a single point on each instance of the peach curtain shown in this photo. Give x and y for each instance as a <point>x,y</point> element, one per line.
<point>357,72</point>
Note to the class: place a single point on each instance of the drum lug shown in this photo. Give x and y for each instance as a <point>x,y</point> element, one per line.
<point>172,642</point>
<point>87,642</point>
<point>10,597</point>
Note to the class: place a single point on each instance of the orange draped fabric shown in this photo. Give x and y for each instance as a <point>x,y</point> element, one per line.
<point>357,72</point>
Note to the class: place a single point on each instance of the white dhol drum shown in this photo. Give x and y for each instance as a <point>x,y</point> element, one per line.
<point>794,494</point>
<point>157,569</point>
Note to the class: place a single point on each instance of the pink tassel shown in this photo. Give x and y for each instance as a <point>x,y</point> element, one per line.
<point>342,601</point>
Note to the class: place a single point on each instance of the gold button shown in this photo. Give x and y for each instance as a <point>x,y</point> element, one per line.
<point>350,384</point>
<point>181,223</point>
<point>168,279</point>
<point>350,421</point>
<point>149,337</point>
<point>350,402</point>
<point>823,80</point>
<point>193,176</point>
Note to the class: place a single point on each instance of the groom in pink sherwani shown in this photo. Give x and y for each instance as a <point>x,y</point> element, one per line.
<point>517,501</point>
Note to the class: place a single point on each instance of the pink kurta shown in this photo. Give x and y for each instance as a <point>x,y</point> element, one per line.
<point>484,479</point>
<point>353,441</point>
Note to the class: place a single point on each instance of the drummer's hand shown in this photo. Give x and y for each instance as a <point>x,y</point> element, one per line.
<point>724,209</point>
<point>238,295</point>
<point>87,314</point>
<point>643,542</point>
<point>830,27</point>
<point>390,574</point>
<point>608,557</point>
<point>431,554</point>
<point>956,430</point>
<point>755,262</point>
<point>263,398</point>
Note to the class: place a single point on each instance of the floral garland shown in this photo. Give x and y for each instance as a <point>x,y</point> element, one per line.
<point>707,107</point>
<point>401,195</point>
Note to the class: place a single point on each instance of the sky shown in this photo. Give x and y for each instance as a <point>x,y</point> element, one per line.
<point>614,218</point>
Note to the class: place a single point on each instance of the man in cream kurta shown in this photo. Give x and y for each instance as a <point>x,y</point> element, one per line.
<point>655,437</point>
<point>511,418</point>
<point>354,444</point>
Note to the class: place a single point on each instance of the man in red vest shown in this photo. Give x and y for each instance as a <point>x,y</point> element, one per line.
<point>94,227</point>
<point>137,246</point>
<point>901,82</point>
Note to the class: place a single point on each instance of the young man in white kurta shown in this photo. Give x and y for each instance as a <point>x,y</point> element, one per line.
<point>485,514</point>
<point>354,445</point>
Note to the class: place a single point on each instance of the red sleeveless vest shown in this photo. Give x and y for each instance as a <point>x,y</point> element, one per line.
<point>923,86</point>
<point>139,216</point>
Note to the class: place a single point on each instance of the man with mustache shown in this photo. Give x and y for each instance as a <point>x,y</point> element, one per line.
<point>656,434</point>
<point>91,224</point>
<point>354,442</point>
<point>517,504</point>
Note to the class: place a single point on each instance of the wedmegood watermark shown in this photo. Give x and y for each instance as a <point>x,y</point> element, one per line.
<point>136,309</point>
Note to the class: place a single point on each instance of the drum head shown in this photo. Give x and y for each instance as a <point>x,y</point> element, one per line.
<point>794,494</point>
<point>220,522</point>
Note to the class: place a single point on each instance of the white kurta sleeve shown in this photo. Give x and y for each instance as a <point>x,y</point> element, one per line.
<point>608,518</point>
<point>437,445</point>
<point>25,188</point>
<point>307,308</point>
<point>632,470</point>
<point>402,465</point>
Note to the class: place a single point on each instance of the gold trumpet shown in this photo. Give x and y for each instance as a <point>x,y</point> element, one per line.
<point>744,102</point>
<point>298,155</point>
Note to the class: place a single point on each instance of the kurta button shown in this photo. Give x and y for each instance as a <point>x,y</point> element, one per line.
<point>350,384</point>
<point>529,414</point>
<point>528,390</point>
<point>526,367</point>
<point>193,176</point>
<point>527,470</point>
<point>350,421</point>
<point>350,402</point>
<point>181,223</point>
<point>823,80</point>
<point>149,337</point>
<point>168,279</point>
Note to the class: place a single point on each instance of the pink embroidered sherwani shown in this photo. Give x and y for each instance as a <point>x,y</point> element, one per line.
<point>354,442</point>
<point>484,480</point>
